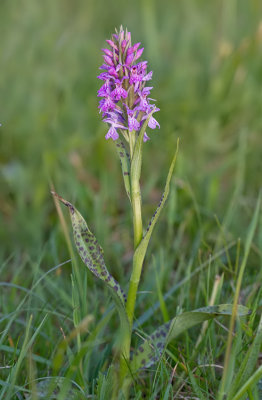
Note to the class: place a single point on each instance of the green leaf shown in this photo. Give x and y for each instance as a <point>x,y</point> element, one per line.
<point>92,255</point>
<point>141,249</point>
<point>152,348</point>
<point>125,164</point>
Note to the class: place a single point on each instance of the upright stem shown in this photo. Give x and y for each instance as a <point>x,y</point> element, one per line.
<point>137,215</point>
<point>132,142</point>
<point>137,263</point>
<point>138,234</point>
<point>136,271</point>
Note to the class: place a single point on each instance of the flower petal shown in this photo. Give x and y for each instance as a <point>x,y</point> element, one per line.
<point>112,133</point>
<point>146,138</point>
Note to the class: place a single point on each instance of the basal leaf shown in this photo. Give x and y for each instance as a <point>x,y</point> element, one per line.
<point>141,249</point>
<point>125,164</point>
<point>92,255</point>
<point>152,348</point>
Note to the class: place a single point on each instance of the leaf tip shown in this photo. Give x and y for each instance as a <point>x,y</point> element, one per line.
<point>65,202</point>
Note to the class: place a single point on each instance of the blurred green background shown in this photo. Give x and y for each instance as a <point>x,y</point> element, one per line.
<point>207,63</point>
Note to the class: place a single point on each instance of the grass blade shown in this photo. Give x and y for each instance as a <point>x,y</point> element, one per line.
<point>249,383</point>
<point>23,354</point>
<point>249,362</point>
<point>250,234</point>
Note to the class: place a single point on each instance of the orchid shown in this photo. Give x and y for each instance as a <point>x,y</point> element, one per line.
<point>128,111</point>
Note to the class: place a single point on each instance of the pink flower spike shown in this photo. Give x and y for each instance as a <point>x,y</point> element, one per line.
<point>124,97</point>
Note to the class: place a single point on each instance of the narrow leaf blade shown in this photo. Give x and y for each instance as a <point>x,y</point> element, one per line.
<point>141,250</point>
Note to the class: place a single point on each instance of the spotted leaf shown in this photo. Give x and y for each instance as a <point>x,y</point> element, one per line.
<point>92,255</point>
<point>150,351</point>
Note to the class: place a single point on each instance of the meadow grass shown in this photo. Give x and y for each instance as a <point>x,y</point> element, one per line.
<point>56,321</point>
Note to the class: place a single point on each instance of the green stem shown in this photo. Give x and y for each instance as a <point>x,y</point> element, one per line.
<point>137,215</point>
<point>134,283</point>
<point>138,234</point>
<point>130,308</point>
<point>135,144</point>
<point>136,271</point>
<point>132,142</point>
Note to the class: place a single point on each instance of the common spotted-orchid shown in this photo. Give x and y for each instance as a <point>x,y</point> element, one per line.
<point>128,110</point>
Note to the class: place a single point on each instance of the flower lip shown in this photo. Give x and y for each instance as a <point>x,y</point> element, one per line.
<point>112,133</point>
<point>152,123</point>
<point>133,124</point>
